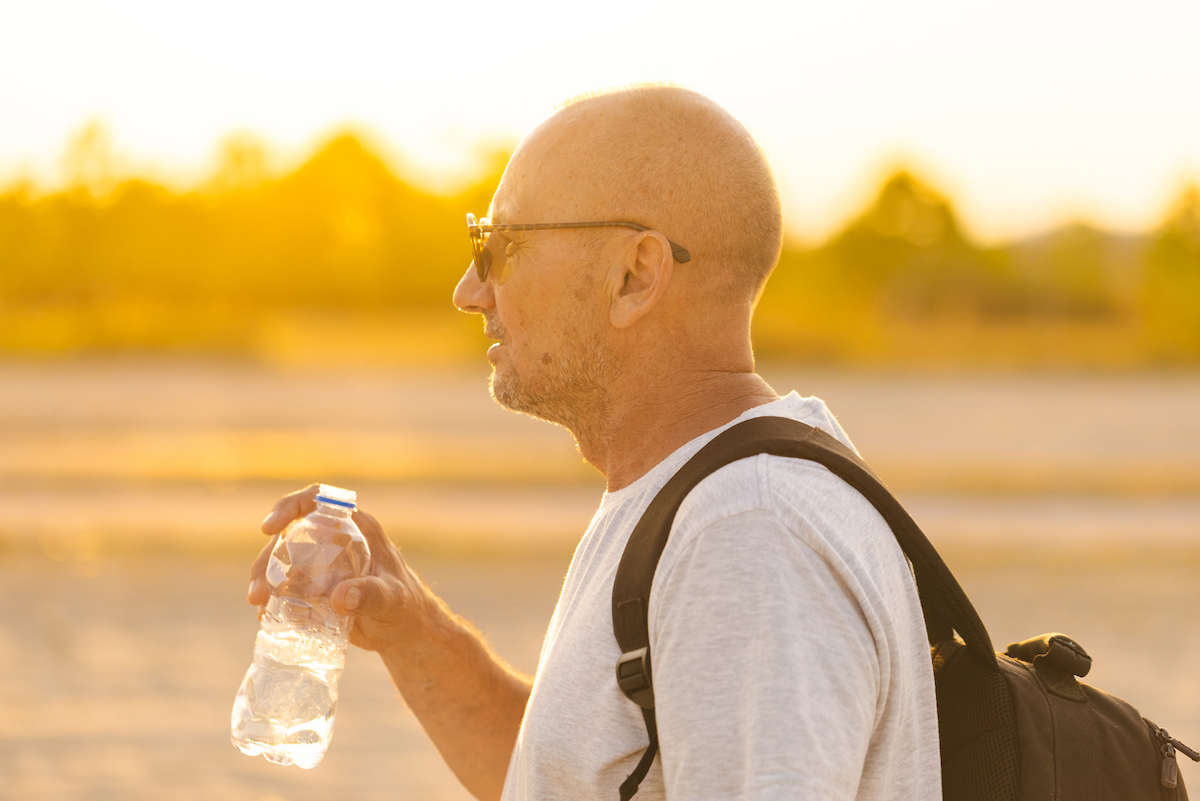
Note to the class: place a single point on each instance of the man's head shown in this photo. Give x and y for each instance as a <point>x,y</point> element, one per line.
<point>577,307</point>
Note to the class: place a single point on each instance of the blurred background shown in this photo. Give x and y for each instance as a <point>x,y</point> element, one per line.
<point>228,238</point>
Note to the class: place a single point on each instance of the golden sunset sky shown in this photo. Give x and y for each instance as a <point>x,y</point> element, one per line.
<point>1027,114</point>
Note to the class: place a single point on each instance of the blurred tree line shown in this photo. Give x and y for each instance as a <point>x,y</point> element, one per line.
<point>343,251</point>
<point>903,283</point>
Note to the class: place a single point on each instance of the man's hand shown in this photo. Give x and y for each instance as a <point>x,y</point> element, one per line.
<point>388,604</point>
<point>469,701</point>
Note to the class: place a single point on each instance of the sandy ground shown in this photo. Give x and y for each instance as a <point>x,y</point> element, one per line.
<point>188,456</point>
<point>119,675</point>
<point>131,492</point>
<point>101,419</point>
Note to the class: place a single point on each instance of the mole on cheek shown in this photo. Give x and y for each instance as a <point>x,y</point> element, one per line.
<point>546,359</point>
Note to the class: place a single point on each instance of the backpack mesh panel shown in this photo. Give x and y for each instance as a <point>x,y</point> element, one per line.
<point>977,728</point>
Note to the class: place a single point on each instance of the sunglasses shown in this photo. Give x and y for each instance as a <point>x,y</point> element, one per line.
<point>477,231</point>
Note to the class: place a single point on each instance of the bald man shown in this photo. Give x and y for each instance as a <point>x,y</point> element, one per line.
<point>790,659</point>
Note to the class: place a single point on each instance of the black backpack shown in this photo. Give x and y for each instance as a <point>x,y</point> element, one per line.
<point>1016,726</point>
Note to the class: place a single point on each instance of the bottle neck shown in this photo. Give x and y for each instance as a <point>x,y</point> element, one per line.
<point>334,510</point>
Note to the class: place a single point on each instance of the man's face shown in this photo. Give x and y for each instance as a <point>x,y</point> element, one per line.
<point>542,302</point>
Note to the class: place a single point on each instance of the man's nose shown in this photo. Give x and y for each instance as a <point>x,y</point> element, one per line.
<point>472,295</point>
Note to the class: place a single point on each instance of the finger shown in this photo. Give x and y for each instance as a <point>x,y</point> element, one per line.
<point>259,592</point>
<point>369,596</point>
<point>369,526</point>
<point>384,553</point>
<point>290,507</point>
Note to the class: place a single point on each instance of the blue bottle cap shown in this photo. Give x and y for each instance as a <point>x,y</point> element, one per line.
<point>337,496</point>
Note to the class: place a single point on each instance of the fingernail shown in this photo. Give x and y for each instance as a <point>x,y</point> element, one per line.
<point>353,596</point>
<point>270,517</point>
<point>250,589</point>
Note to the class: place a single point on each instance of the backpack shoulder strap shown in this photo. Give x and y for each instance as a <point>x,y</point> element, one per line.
<point>946,607</point>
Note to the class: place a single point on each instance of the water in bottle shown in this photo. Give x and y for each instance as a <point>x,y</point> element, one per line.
<point>285,707</point>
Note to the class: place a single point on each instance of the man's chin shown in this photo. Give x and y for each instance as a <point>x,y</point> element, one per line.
<point>504,390</point>
<point>507,391</point>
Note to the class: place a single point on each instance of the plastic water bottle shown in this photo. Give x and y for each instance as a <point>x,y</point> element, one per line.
<point>285,707</point>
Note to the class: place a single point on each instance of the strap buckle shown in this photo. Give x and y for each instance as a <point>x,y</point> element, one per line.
<point>633,677</point>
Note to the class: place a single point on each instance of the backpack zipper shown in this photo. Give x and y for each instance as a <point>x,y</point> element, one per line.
<point>1170,765</point>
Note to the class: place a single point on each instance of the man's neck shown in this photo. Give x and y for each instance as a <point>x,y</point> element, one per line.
<point>647,426</point>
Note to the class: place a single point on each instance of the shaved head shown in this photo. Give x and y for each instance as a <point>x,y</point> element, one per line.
<point>664,157</point>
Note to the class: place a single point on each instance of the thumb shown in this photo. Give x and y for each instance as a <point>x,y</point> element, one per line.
<point>363,597</point>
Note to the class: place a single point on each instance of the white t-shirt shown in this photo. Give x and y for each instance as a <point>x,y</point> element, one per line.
<point>788,647</point>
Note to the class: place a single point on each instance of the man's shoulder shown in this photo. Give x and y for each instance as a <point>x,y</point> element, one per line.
<point>810,410</point>
<point>781,485</point>
<point>803,495</point>
<point>783,503</point>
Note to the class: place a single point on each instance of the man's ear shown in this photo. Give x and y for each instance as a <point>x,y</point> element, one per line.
<point>639,280</point>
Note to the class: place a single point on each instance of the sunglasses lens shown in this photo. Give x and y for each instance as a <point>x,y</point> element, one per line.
<point>483,258</point>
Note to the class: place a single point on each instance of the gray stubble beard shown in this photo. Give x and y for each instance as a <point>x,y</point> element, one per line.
<point>574,392</point>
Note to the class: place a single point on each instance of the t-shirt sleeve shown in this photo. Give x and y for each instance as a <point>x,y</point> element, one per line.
<point>766,677</point>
